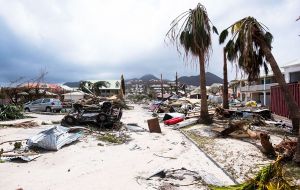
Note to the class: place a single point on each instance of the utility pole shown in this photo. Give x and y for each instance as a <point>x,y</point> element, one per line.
<point>161,86</point>
<point>176,83</point>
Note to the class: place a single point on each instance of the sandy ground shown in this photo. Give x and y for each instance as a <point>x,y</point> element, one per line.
<point>240,158</point>
<point>85,165</point>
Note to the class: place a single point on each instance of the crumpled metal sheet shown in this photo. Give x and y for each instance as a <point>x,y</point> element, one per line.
<point>53,138</point>
<point>24,158</point>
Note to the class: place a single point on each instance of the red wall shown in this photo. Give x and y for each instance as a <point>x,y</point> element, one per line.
<point>278,105</point>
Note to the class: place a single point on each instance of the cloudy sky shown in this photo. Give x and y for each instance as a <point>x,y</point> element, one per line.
<point>101,39</point>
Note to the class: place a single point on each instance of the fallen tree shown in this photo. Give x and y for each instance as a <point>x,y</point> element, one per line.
<point>270,177</point>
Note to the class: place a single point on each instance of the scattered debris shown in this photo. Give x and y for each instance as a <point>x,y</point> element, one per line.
<point>287,148</point>
<point>185,123</point>
<point>153,125</point>
<point>268,178</point>
<point>134,127</point>
<point>23,156</point>
<point>164,156</point>
<point>173,178</point>
<point>53,138</point>
<point>25,124</point>
<point>114,138</point>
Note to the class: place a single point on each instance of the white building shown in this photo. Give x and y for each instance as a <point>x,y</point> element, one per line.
<point>260,89</point>
<point>292,71</point>
<point>74,96</point>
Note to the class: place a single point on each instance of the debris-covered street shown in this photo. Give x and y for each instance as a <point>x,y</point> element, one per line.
<point>90,165</point>
<point>149,95</point>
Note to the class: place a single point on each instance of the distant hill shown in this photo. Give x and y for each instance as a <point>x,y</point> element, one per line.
<point>195,80</point>
<point>72,84</point>
<point>148,77</point>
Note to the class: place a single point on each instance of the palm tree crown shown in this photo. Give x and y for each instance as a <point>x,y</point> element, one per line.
<point>244,47</point>
<point>194,34</point>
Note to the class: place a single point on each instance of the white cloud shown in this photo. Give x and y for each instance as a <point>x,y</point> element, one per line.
<point>118,32</point>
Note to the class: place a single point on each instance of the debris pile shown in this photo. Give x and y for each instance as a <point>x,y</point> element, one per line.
<point>270,177</point>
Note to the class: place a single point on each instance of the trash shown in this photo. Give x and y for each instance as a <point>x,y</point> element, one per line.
<point>53,138</point>
<point>251,104</point>
<point>119,138</point>
<point>161,174</point>
<point>185,123</point>
<point>287,148</point>
<point>269,177</point>
<point>172,115</point>
<point>134,127</point>
<point>173,121</point>
<point>154,125</point>
<point>164,156</point>
<point>25,124</point>
<point>24,157</point>
<point>174,178</point>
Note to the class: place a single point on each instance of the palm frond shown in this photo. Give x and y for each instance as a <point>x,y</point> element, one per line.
<point>191,32</point>
<point>245,46</point>
<point>223,36</point>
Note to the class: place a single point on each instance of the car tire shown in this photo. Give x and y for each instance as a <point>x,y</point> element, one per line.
<point>27,110</point>
<point>70,120</point>
<point>101,118</point>
<point>48,109</point>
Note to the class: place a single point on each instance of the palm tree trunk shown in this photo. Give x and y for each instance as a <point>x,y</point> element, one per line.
<point>225,86</point>
<point>290,101</point>
<point>297,154</point>
<point>204,108</point>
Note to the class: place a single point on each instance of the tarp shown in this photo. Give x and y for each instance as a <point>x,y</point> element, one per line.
<point>53,138</point>
<point>172,115</point>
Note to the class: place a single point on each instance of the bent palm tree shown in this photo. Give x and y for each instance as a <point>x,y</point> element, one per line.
<point>195,39</point>
<point>250,47</point>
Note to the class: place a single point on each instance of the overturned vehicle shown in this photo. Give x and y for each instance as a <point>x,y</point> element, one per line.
<point>102,115</point>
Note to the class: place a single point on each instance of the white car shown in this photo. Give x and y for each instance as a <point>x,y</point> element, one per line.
<point>44,104</point>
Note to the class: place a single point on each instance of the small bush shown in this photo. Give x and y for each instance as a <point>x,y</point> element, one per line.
<point>10,112</point>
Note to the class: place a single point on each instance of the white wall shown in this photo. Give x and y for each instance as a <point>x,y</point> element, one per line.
<point>73,97</point>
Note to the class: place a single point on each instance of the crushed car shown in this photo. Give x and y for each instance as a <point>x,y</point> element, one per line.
<point>103,115</point>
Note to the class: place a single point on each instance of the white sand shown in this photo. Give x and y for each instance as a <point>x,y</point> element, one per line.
<point>85,165</point>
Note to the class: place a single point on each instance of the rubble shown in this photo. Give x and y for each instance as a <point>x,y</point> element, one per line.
<point>269,177</point>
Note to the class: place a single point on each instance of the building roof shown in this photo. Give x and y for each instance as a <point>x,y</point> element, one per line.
<point>111,84</point>
<point>292,63</point>
<point>77,93</point>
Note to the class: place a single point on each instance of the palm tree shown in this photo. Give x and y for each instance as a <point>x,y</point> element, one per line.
<point>123,84</point>
<point>250,47</point>
<point>225,83</point>
<point>194,37</point>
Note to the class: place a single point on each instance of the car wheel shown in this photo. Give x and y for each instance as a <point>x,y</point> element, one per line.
<point>48,109</point>
<point>101,118</point>
<point>27,110</point>
<point>70,120</point>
